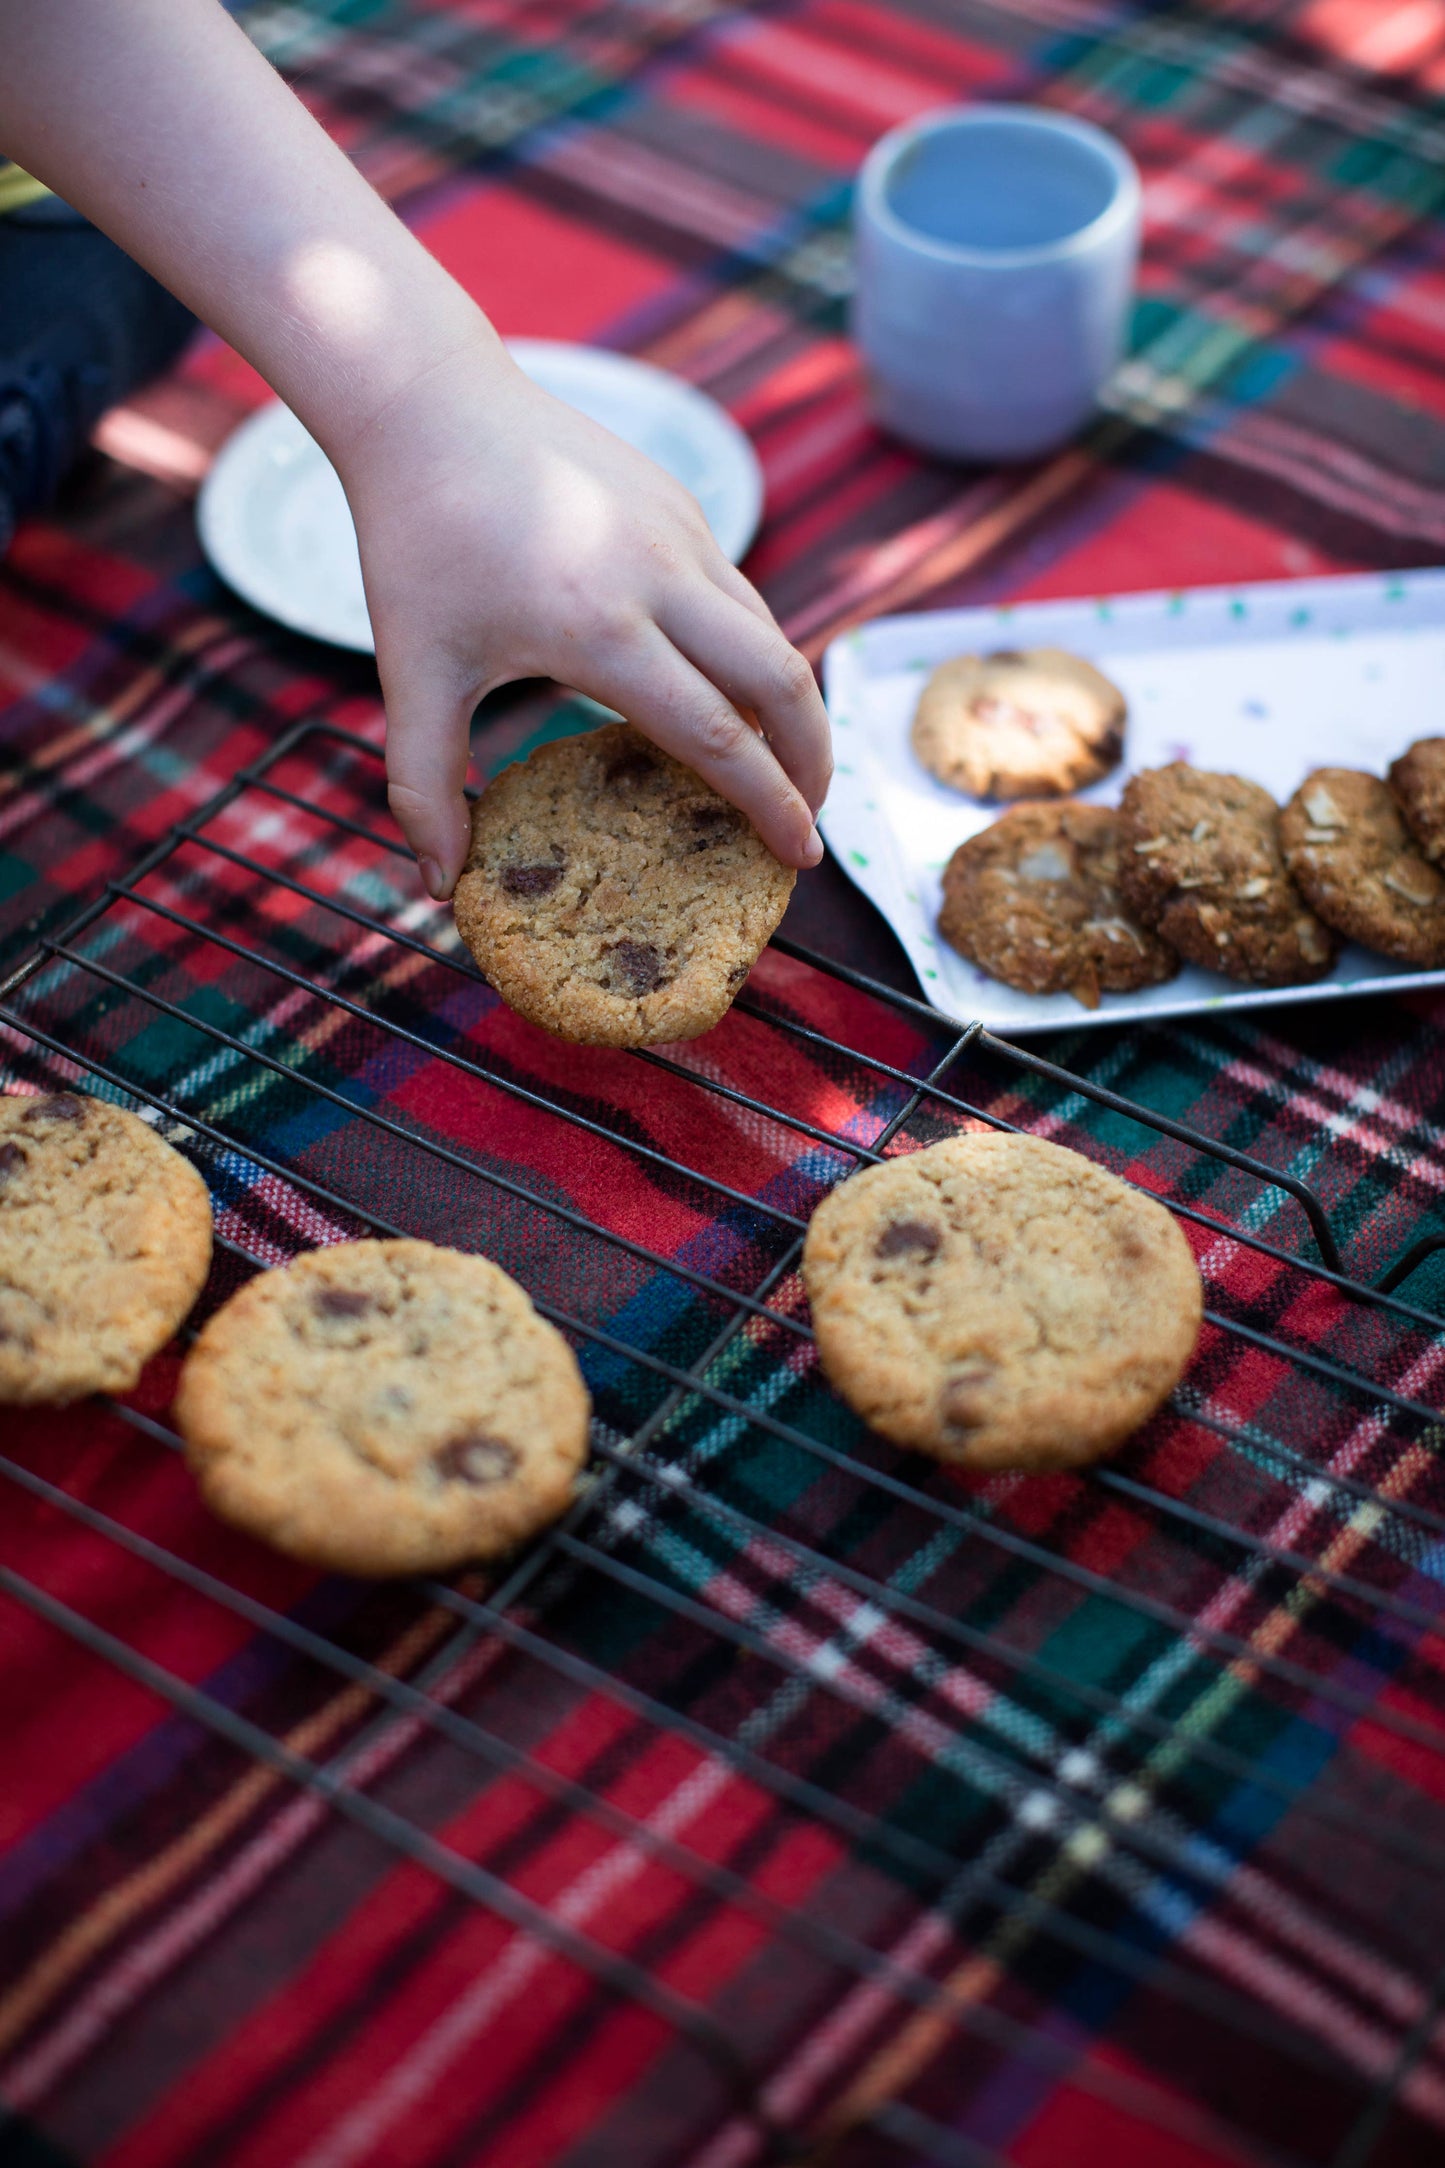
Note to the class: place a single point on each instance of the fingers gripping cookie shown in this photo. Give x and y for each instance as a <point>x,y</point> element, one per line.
<point>611,896</point>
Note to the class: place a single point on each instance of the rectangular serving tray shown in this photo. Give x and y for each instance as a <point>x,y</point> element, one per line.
<point>1267,681</point>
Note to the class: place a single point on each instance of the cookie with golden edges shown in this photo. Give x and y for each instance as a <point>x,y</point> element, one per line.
<point>384,1407</point>
<point>1000,1302</point>
<point>1200,864</point>
<point>105,1243</point>
<point>1019,723</point>
<point>612,896</point>
<point>1033,899</point>
<point>1359,868</point>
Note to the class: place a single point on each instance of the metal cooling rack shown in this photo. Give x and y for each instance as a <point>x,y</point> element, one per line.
<point>656,1489</point>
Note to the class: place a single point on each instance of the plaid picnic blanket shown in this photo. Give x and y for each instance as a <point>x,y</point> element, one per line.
<point>809,1805</point>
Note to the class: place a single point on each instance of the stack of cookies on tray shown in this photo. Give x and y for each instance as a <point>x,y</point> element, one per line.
<point>1058,896</point>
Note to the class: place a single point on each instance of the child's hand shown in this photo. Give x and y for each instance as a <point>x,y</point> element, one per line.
<point>504,535</point>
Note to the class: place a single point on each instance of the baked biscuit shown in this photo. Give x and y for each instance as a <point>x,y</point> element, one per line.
<point>1000,1302</point>
<point>1036,723</point>
<point>105,1243</point>
<point>384,1407</point>
<point>612,896</point>
<point>1357,866</point>
<point>1200,863</point>
<point>1033,900</point>
<point>1418,780</point>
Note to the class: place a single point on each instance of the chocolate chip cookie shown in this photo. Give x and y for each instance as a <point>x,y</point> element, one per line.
<point>1418,780</point>
<point>384,1407</point>
<point>105,1243</point>
<point>1034,900</point>
<point>1357,866</point>
<point>1000,1302</point>
<point>1200,863</point>
<point>611,896</point>
<point>1031,723</point>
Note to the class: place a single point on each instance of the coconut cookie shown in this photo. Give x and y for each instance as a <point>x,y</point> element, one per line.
<point>1358,867</point>
<point>611,896</point>
<point>1000,1302</point>
<point>1032,724</point>
<point>1033,899</point>
<point>384,1407</point>
<point>105,1243</point>
<point>1200,863</point>
<point>1418,780</point>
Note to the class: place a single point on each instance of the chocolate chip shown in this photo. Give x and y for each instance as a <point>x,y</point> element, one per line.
<point>630,764</point>
<point>1005,654</point>
<point>530,880</point>
<point>475,1458</point>
<point>640,964</point>
<point>341,1302</point>
<point>908,1238</point>
<point>963,1405</point>
<point>55,1107</point>
<point>11,1157</point>
<point>713,824</point>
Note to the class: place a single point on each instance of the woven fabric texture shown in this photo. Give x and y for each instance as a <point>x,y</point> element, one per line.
<point>809,1802</point>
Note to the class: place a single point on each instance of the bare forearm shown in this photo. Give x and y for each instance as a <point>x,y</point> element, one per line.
<point>501,534</point>
<point>160,120</point>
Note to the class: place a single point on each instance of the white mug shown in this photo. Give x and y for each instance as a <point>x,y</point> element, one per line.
<point>996,253</point>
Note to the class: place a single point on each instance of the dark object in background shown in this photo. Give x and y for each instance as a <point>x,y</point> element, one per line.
<point>81,325</point>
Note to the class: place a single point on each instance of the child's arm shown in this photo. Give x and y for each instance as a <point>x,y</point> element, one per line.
<point>502,535</point>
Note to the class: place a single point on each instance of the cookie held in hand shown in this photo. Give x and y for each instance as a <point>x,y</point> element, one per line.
<point>105,1243</point>
<point>1033,900</point>
<point>1358,866</point>
<point>384,1407</point>
<point>1200,863</point>
<point>612,896</point>
<point>1031,723</point>
<point>1000,1302</point>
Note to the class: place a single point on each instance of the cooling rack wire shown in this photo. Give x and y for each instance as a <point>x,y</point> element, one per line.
<point>1005,1718</point>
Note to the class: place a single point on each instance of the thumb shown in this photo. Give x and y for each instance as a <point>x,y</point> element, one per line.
<point>427,748</point>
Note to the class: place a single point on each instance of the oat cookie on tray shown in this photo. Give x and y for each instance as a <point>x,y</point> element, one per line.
<point>612,896</point>
<point>1418,780</point>
<point>1200,863</point>
<point>1035,723</point>
<point>105,1243</point>
<point>1033,899</point>
<point>1358,866</point>
<point>384,1407</point>
<point>1000,1301</point>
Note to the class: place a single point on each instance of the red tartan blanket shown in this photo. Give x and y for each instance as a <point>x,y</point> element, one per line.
<point>798,1800</point>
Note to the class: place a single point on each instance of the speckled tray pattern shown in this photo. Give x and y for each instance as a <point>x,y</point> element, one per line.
<point>1267,681</point>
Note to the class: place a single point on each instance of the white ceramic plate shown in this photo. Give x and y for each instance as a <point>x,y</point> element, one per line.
<point>275,524</point>
<point>1266,681</point>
